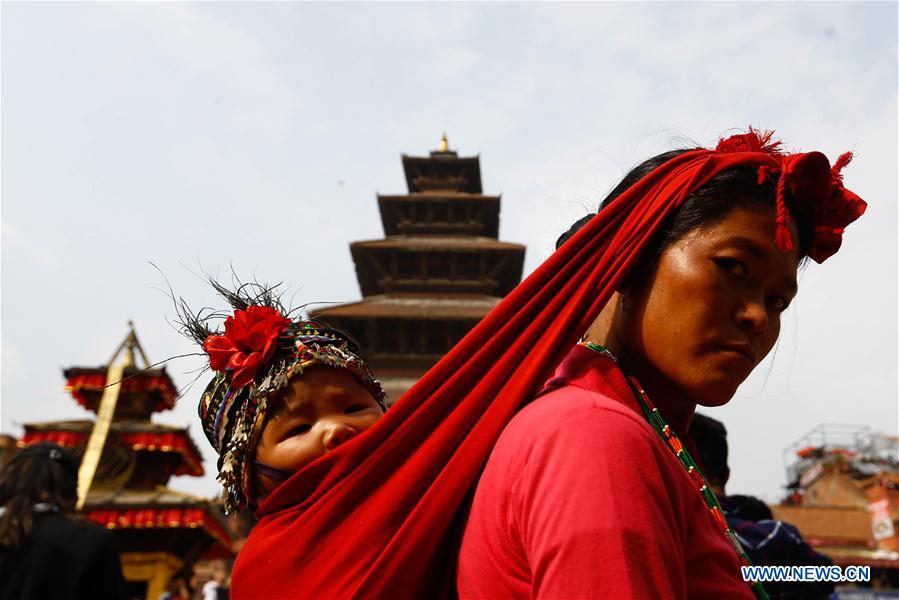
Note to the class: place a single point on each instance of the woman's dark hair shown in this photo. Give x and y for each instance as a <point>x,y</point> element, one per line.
<point>41,473</point>
<point>706,206</point>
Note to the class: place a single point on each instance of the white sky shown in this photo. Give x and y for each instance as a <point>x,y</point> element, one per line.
<point>258,134</point>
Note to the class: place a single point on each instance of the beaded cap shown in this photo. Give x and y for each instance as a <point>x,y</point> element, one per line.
<point>233,415</point>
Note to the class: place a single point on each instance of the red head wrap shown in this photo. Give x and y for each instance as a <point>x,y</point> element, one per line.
<point>373,519</point>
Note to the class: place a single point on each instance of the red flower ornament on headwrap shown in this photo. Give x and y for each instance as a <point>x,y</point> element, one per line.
<point>248,342</point>
<point>752,141</point>
<point>816,190</point>
<point>831,217</point>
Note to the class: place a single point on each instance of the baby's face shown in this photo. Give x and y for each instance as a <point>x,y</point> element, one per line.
<point>320,410</point>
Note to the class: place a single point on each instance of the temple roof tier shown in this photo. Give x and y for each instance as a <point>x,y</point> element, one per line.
<point>441,214</point>
<point>414,306</point>
<point>471,265</point>
<point>160,508</point>
<point>442,172</point>
<point>166,519</point>
<point>144,391</point>
<point>404,343</point>
<point>138,436</point>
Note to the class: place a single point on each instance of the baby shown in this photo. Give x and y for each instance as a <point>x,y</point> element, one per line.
<point>285,393</point>
<point>314,414</point>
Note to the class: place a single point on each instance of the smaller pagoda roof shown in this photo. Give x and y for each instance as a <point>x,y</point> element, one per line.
<point>415,306</point>
<point>139,436</point>
<point>161,508</point>
<point>443,171</point>
<point>86,385</point>
<point>447,173</point>
<point>143,390</point>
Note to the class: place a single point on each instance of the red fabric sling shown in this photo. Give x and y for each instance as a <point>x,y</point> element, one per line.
<point>378,516</point>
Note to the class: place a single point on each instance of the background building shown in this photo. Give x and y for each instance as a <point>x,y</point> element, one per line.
<point>160,532</point>
<point>843,486</point>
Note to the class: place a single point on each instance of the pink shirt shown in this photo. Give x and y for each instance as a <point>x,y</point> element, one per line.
<point>581,499</point>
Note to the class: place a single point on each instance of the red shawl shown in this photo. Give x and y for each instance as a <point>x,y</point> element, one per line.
<point>382,515</point>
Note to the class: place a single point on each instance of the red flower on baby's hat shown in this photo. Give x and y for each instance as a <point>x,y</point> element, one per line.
<point>248,342</point>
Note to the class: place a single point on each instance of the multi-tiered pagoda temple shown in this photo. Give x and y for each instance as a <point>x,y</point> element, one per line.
<point>160,532</point>
<point>437,272</point>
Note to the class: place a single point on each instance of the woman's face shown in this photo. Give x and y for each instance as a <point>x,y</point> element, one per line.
<point>710,311</point>
<point>320,410</point>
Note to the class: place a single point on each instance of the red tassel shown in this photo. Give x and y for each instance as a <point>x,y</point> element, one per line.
<point>845,159</point>
<point>764,141</point>
<point>782,237</point>
<point>765,172</point>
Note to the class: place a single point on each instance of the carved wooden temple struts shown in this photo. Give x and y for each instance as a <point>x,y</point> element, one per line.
<point>437,272</point>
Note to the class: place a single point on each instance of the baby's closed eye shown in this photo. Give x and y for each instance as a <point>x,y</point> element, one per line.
<point>300,429</point>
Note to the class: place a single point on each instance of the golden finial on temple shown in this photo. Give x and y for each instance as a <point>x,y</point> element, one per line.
<point>444,144</point>
<point>129,345</point>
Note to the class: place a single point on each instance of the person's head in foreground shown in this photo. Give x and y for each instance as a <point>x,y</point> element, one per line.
<point>710,437</point>
<point>39,478</point>
<point>702,305</point>
<point>285,392</point>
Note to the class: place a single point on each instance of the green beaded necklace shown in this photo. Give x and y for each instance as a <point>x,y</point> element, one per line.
<point>671,440</point>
